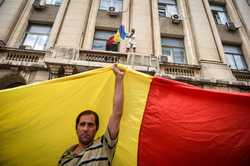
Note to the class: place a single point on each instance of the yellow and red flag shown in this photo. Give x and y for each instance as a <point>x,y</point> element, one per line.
<point>165,122</point>
<point>114,40</point>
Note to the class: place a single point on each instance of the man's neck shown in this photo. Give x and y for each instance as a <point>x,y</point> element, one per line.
<point>81,147</point>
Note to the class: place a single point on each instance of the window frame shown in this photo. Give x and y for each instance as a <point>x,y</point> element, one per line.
<point>233,55</point>
<point>173,48</point>
<point>38,35</point>
<point>111,3</point>
<point>109,34</point>
<point>53,2</point>
<point>221,9</point>
<point>164,6</point>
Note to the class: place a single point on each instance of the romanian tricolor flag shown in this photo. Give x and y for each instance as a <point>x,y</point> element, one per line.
<point>114,40</point>
<point>164,123</point>
<point>120,34</point>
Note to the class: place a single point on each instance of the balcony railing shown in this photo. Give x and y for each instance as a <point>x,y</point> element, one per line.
<point>183,70</point>
<point>102,56</point>
<point>71,59</point>
<point>79,57</point>
<point>142,62</point>
<point>17,57</point>
<point>241,75</point>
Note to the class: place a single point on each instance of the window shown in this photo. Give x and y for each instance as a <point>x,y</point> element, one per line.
<point>54,2</point>
<point>37,36</point>
<point>100,40</point>
<point>167,8</point>
<point>234,57</point>
<point>174,49</point>
<point>105,4</point>
<point>219,14</point>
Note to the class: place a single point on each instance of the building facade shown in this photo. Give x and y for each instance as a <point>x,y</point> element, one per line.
<point>202,42</point>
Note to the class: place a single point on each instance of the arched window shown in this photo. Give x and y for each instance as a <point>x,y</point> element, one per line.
<point>11,80</point>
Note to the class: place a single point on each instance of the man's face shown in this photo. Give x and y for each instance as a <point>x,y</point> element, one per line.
<point>86,129</point>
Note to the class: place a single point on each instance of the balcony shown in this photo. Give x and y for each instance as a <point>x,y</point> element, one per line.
<point>176,71</point>
<point>241,75</point>
<point>82,60</point>
<point>23,58</point>
<point>63,61</point>
<point>142,62</point>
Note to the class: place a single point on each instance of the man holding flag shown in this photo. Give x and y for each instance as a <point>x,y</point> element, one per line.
<point>100,151</point>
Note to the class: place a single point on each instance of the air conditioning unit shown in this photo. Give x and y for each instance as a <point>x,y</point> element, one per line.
<point>112,12</point>
<point>39,4</point>
<point>176,19</point>
<point>230,26</point>
<point>163,59</point>
<point>25,47</point>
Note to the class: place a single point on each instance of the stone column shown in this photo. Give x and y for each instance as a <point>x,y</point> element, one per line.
<point>141,22</point>
<point>243,32</point>
<point>214,31</point>
<point>90,29</point>
<point>73,24</point>
<point>207,49</point>
<point>156,29</point>
<point>125,22</point>
<point>9,15</point>
<point>242,8</point>
<point>191,54</point>
<point>58,23</point>
<point>19,31</point>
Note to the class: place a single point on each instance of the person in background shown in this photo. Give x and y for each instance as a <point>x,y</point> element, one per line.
<point>131,41</point>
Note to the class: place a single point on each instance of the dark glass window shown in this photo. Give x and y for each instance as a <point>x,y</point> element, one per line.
<point>219,14</point>
<point>105,4</point>
<point>167,8</point>
<point>36,36</point>
<point>100,40</point>
<point>174,49</point>
<point>235,58</point>
<point>54,2</point>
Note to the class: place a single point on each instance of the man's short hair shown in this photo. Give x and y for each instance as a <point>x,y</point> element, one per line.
<point>88,112</point>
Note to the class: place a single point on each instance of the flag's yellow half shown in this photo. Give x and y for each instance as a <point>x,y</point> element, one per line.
<point>37,122</point>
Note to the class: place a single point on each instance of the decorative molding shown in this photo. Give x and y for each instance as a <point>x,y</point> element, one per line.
<point>24,58</point>
<point>180,70</point>
<point>241,75</point>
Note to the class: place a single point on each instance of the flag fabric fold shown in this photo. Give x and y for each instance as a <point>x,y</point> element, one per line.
<point>186,125</point>
<point>114,40</point>
<point>164,122</point>
<point>37,121</point>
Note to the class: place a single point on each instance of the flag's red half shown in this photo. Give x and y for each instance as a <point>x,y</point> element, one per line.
<point>187,126</point>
